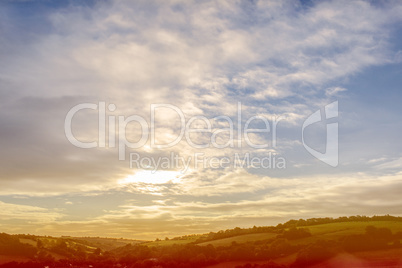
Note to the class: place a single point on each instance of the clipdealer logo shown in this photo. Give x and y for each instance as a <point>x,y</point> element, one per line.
<point>148,133</point>
<point>331,154</point>
<point>235,131</point>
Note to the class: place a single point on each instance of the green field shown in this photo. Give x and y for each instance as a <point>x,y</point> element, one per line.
<point>329,231</point>
<point>239,239</point>
<point>352,227</point>
<point>107,243</point>
<point>171,242</point>
<point>334,231</point>
<point>89,243</point>
<point>28,241</point>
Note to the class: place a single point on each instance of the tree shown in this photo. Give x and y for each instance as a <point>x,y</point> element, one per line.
<point>97,252</point>
<point>39,244</point>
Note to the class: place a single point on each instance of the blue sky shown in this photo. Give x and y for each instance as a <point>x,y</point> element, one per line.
<point>283,59</point>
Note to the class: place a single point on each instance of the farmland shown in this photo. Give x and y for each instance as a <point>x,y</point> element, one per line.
<point>361,241</point>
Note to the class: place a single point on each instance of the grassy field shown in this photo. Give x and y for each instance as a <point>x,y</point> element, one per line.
<point>172,242</point>
<point>90,243</point>
<point>219,242</point>
<point>333,231</point>
<point>330,231</point>
<point>28,241</point>
<point>107,243</point>
<point>239,239</point>
<point>352,227</point>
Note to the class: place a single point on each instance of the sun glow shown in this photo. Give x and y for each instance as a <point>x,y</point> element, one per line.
<point>153,177</point>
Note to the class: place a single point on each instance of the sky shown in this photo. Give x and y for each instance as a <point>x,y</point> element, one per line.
<point>146,85</point>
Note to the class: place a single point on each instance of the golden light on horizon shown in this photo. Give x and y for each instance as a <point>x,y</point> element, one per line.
<point>152,177</point>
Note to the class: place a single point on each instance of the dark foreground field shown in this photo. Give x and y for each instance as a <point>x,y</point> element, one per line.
<point>355,241</point>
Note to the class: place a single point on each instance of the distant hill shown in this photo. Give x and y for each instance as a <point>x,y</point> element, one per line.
<point>357,241</point>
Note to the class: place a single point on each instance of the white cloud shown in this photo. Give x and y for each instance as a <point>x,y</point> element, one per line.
<point>390,164</point>
<point>334,90</point>
<point>277,58</point>
<point>29,213</point>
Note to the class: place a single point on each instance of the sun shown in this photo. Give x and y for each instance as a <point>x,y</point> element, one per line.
<point>153,177</point>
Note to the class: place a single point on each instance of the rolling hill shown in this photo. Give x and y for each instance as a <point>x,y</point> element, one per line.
<point>357,240</point>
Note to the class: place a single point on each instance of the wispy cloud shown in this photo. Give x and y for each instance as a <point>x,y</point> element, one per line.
<point>279,59</point>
